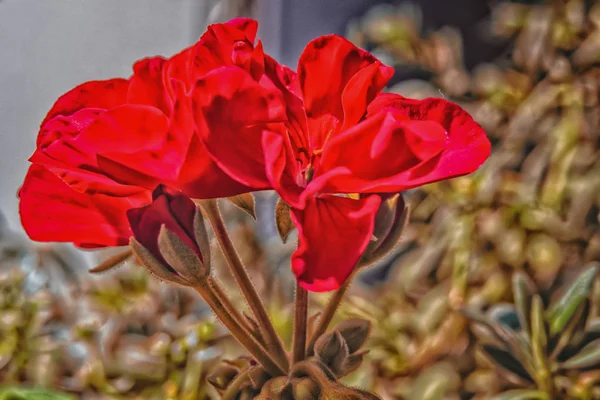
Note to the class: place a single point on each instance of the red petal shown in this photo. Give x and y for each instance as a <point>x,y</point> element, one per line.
<point>61,130</point>
<point>95,94</point>
<point>62,151</point>
<point>147,85</point>
<point>246,25</point>
<point>361,89</point>
<point>287,82</point>
<point>201,177</point>
<point>221,45</point>
<point>403,144</point>
<point>179,69</point>
<point>53,212</point>
<point>138,138</point>
<point>281,167</point>
<point>338,80</point>
<point>333,233</point>
<point>231,111</point>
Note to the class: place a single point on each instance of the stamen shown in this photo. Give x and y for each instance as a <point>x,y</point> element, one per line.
<point>309,173</point>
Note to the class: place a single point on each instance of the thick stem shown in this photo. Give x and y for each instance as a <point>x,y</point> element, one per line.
<point>300,325</point>
<point>328,314</point>
<point>270,336</point>
<point>233,310</point>
<point>238,332</point>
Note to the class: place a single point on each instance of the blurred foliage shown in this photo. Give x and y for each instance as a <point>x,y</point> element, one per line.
<point>31,394</point>
<point>120,335</point>
<point>545,352</point>
<point>531,210</point>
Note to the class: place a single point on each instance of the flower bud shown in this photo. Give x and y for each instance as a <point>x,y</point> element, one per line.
<point>170,238</point>
<point>339,350</point>
<point>355,332</point>
<point>222,376</point>
<point>390,221</point>
<point>332,350</point>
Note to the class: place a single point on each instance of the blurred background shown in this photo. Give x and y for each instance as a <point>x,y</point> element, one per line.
<point>527,222</point>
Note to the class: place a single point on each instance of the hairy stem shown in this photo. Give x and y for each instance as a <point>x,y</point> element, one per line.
<point>328,313</point>
<point>232,309</point>
<point>300,325</point>
<point>238,332</point>
<point>269,335</point>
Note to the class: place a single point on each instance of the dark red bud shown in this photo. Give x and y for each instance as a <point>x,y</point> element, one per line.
<point>172,230</point>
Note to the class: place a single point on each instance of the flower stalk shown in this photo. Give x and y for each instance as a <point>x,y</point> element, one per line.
<point>233,310</point>
<point>268,333</point>
<point>300,325</point>
<point>328,314</point>
<point>205,289</point>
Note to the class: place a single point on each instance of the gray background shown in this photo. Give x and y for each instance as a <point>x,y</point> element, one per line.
<point>49,46</point>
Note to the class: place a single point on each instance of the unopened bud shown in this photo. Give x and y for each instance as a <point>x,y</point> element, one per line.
<point>170,238</point>
<point>222,376</point>
<point>332,350</point>
<point>355,332</point>
<point>390,221</point>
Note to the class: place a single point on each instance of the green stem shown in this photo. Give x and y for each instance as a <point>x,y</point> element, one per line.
<point>300,325</point>
<point>238,332</point>
<point>232,309</point>
<point>328,313</point>
<point>270,336</point>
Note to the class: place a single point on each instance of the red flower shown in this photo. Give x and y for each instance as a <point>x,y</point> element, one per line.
<point>222,118</point>
<point>110,142</point>
<point>170,208</point>
<point>342,145</point>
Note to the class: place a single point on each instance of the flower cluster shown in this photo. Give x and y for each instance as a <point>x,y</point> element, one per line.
<point>222,118</point>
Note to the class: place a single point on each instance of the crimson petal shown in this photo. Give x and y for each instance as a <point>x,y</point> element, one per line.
<point>403,144</point>
<point>338,81</point>
<point>333,233</point>
<point>94,94</point>
<point>232,111</point>
<point>52,212</point>
<point>147,86</point>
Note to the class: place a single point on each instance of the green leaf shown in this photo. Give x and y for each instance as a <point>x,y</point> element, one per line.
<point>502,334</point>
<point>514,342</point>
<point>12,393</point>
<point>506,315</point>
<point>539,339</point>
<point>561,312</point>
<point>506,361</point>
<point>587,357</point>
<point>523,290</point>
<point>575,331</point>
<point>522,394</point>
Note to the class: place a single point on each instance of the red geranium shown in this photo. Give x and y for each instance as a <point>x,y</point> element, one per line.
<point>105,145</point>
<point>342,145</point>
<point>222,118</point>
